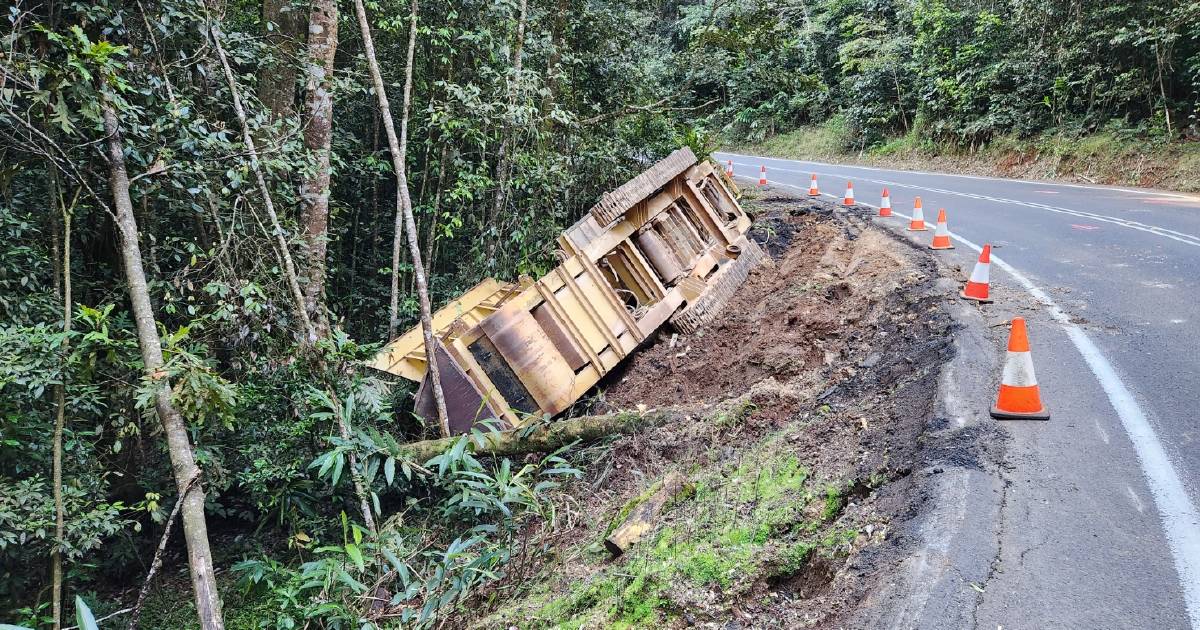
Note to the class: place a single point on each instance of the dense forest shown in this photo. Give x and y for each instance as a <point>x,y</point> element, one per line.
<point>212,211</point>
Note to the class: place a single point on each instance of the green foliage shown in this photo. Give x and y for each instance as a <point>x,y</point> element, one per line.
<point>84,619</point>
<point>482,509</point>
<point>605,87</point>
<point>962,73</point>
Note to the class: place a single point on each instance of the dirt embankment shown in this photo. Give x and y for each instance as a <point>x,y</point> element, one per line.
<point>800,413</point>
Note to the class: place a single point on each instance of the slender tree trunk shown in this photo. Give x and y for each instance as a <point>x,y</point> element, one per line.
<point>900,99</point>
<point>277,80</point>
<point>350,252</point>
<point>399,155</point>
<point>375,222</point>
<point>60,401</point>
<point>557,43</point>
<point>1160,57</point>
<point>307,332</point>
<point>412,281</point>
<point>318,133</point>
<point>436,209</point>
<point>503,155</point>
<point>403,200</point>
<point>183,462</point>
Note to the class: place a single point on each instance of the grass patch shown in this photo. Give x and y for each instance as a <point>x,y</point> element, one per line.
<point>834,502</point>
<point>735,414</point>
<point>824,142</point>
<point>747,520</point>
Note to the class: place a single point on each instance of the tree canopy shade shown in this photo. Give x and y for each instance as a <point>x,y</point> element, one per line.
<point>198,204</point>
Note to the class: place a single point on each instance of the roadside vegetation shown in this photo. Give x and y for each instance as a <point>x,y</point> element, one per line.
<point>1105,92</point>
<point>1116,157</point>
<point>211,213</point>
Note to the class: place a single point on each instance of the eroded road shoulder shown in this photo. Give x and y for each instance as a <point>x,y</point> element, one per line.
<point>807,419</point>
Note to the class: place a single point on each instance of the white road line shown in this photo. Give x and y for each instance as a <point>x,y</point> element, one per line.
<point>1182,237</point>
<point>980,177</point>
<point>1179,516</point>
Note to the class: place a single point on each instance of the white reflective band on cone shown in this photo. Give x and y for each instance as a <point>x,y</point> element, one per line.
<point>980,273</point>
<point>1018,370</point>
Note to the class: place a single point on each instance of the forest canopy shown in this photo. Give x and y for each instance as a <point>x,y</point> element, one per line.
<point>203,236</point>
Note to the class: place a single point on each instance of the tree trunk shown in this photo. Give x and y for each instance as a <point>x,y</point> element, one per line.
<point>60,401</point>
<point>277,80</point>
<point>550,437</point>
<point>436,209</point>
<point>503,157</point>
<point>307,333</point>
<point>404,212</point>
<point>404,204</point>
<point>183,462</point>
<point>318,133</point>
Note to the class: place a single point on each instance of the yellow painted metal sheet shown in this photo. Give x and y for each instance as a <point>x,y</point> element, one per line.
<point>406,355</point>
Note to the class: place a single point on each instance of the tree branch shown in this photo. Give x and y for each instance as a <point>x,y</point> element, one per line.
<point>157,562</point>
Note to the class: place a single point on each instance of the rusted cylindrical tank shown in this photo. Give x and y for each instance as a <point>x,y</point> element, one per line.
<point>660,255</point>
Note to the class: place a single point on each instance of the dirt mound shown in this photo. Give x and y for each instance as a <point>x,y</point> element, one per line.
<point>801,406</point>
<point>788,320</point>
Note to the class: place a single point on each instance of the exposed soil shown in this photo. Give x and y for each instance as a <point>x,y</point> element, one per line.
<point>829,355</point>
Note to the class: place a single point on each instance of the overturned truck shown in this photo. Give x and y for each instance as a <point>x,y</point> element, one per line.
<point>670,245</point>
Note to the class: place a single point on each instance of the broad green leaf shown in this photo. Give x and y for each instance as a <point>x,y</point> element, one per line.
<point>355,554</point>
<point>83,615</point>
<point>337,469</point>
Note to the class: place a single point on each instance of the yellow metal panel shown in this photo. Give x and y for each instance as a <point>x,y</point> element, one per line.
<point>574,309</point>
<point>406,355</point>
<point>708,215</point>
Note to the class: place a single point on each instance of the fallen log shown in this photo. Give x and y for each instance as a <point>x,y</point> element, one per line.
<point>643,517</point>
<point>541,438</point>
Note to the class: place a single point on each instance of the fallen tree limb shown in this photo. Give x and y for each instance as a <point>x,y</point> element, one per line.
<point>546,437</point>
<point>643,517</point>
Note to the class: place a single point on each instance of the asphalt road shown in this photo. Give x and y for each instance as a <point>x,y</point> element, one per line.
<point>1092,521</point>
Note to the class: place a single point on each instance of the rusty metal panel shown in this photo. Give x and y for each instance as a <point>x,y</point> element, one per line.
<point>502,376</point>
<point>465,405</point>
<point>559,336</point>
<point>532,356</point>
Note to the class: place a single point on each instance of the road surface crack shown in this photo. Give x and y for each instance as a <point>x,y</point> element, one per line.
<point>998,558</point>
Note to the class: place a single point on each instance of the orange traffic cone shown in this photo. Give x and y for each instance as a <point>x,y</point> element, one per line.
<point>977,286</point>
<point>918,218</point>
<point>1020,398</point>
<point>941,234</point>
<point>762,175</point>
<point>849,200</point>
<point>729,168</point>
<point>812,187</point>
<point>885,205</point>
